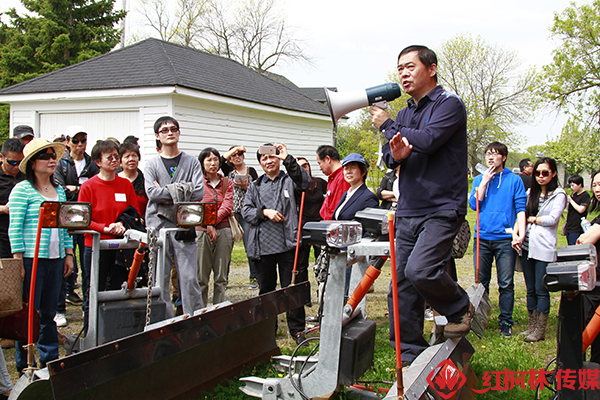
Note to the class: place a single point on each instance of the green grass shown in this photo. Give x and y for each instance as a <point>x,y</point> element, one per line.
<point>492,352</point>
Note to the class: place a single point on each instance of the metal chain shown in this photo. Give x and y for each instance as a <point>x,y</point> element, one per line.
<point>151,265</point>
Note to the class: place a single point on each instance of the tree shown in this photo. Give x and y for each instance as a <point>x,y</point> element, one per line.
<point>496,92</point>
<point>183,27</point>
<point>578,147</point>
<point>58,33</point>
<point>573,79</point>
<point>252,32</point>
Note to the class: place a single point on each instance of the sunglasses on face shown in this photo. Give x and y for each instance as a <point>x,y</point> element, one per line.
<point>545,173</point>
<point>238,154</point>
<point>166,130</point>
<point>77,141</point>
<point>14,163</point>
<point>46,156</point>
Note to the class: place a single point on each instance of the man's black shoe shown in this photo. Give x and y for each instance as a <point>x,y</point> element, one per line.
<point>301,339</point>
<point>73,298</point>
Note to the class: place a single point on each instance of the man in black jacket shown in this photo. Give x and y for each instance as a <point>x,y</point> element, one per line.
<point>74,168</point>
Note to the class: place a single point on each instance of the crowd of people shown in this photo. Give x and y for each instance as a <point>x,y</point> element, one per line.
<point>426,186</point>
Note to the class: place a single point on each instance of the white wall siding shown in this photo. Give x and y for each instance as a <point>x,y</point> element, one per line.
<point>207,124</point>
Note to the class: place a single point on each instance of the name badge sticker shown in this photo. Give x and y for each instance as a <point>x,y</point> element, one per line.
<point>120,197</point>
<point>286,193</point>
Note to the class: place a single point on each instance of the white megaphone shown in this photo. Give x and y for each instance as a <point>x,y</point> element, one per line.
<point>341,104</point>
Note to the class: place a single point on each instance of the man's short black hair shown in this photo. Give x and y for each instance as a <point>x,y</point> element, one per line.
<point>426,55</point>
<point>103,146</point>
<point>327,150</point>
<point>524,163</point>
<point>576,179</point>
<point>498,147</point>
<point>164,119</point>
<point>13,145</point>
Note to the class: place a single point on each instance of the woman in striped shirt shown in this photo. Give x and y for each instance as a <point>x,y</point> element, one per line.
<point>56,246</point>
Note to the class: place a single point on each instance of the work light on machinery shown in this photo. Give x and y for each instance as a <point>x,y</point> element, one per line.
<point>66,214</point>
<point>374,221</point>
<point>335,234</point>
<point>574,269</point>
<point>193,213</point>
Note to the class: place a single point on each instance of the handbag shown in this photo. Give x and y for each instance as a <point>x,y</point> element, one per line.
<point>11,297</point>
<point>461,241</point>
<point>237,233</point>
<point>14,326</point>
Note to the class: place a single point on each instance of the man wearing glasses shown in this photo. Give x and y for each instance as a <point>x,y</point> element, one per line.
<point>174,176</point>
<point>502,201</point>
<point>11,155</point>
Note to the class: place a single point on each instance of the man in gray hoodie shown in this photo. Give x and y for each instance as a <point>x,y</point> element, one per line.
<point>174,171</point>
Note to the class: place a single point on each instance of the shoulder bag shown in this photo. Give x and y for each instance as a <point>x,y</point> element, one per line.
<point>237,233</point>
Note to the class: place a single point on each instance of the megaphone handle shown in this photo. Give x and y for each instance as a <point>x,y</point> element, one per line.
<point>381,104</point>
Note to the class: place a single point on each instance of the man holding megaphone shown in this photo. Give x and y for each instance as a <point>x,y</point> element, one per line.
<point>429,139</point>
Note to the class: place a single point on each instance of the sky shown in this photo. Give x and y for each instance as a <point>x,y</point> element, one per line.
<point>354,45</point>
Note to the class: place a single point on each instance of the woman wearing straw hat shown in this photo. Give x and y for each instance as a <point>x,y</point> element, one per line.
<point>56,247</point>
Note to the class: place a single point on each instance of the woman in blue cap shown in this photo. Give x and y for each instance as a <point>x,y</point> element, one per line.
<point>358,197</point>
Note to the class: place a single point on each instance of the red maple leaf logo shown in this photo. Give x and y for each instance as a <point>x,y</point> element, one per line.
<point>446,379</point>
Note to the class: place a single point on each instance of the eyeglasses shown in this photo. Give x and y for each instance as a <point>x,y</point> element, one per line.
<point>545,173</point>
<point>112,157</point>
<point>14,163</point>
<point>77,141</point>
<point>166,130</point>
<point>46,156</point>
<point>491,154</point>
<point>238,154</point>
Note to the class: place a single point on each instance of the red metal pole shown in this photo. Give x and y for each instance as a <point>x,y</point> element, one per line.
<point>32,290</point>
<point>477,262</point>
<point>399,383</point>
<point>294,273</point>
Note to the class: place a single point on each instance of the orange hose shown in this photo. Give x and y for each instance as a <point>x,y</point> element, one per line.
<point>591,330</point>
<point>138,257</point>
<point>399,383</point>
<point>365,283</point>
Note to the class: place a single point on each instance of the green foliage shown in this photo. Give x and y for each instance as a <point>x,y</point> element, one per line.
<point>496,91</point>
<point>56,34</point>
<point>573,79</point>
<point>578,147</point>
<point>4,127</point>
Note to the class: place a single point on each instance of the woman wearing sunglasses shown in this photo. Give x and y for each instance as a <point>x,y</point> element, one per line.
<point>109,195</point>
<point>56,246</point>
<point>545,204</point>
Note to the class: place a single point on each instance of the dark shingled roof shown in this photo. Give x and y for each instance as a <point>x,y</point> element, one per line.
<point>315,93</point>
<point>154,62</point>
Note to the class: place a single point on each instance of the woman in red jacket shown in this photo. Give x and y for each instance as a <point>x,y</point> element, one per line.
<point>109,195</point>
<point>215,242</point>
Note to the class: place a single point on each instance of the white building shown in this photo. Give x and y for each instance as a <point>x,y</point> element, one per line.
<point>217,101</point>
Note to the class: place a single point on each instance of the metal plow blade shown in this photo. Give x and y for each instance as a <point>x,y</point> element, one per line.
<point>179,360</point>
<point>481,302</point>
